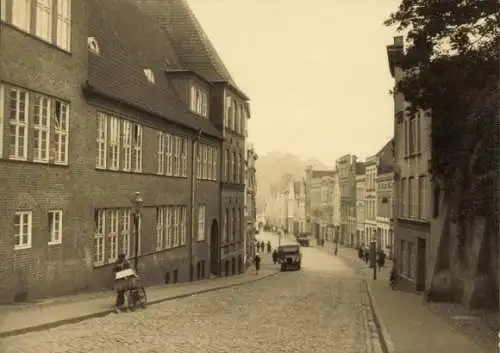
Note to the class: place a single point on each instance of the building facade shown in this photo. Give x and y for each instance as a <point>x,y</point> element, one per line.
<point>412,152</point>
<point>385,230</point>
<point>360,210</point>
<point>321,187</point>
<point>346,169</point>
<point>157,130</point>
<point>371,199</point>
<point>250,204</point>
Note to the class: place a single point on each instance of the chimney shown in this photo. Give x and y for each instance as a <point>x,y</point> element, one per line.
<point>399,41</point>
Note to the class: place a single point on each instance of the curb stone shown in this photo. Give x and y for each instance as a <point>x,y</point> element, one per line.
<point>385,338</point>
<point>102,313</point>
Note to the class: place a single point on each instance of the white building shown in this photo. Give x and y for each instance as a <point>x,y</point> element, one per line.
<point>360,209</point>
<point>371,198</point>
<point>385,208</point>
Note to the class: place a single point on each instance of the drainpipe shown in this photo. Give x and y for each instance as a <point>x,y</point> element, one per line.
<point>193,201</point>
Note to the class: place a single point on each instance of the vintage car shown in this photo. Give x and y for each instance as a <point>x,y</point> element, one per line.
<point>303,239</point>
<point>289,257</point>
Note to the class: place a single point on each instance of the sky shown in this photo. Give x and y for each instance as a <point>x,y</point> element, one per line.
<point>316,71</point>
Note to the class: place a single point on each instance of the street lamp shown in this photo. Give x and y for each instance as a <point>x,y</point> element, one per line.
<point>336,240</point>
<point>137,203</point>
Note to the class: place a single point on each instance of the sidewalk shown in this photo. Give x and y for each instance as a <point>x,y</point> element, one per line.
<point>406,323</point>
<point>22,318</point>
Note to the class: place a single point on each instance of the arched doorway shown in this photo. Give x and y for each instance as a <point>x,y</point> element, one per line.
<point>214,248</point>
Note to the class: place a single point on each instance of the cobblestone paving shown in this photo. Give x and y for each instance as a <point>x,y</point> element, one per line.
<point>313,310</point>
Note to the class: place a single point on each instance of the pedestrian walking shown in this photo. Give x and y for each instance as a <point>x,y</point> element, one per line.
<point>257,263</point>
<point>275,256</point>
<point>381,259</point>
<point>360,252</point>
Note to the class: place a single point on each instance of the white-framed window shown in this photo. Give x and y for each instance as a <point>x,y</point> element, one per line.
<point>114,229</point>
<point>21,14</point>
<point>160,227</point>
<point>232,125</point>
<point>178,149</point>
<point>137,144</point>
<point>192,100</point>
<point>44,19</point>
<point>175,158</point>
<point>41,128</point>
<point>226,165</point>
<point>214,163</point>
<point>237,117</point>
<point>55,227</point>
<point>102,136</point>
<point>114,143</point>
<point>127,145</point>
<point>169,223</point>
<point>210,171</point>
<point>403,197</point>
<point>61,132</point>
<point>201,222</point>
<point>198,101</point>
<point>183,225</point>
<point>413,197</point>
<point>125,231</point>
<point>64,24</point>
<point>99,236</point>
<point>183,157</point>
<point>422,197</point>
<point>204,160</point>
<point>22,230</point>
<point>160,152</point>
<point>175,226</point>
<point>18,123</point>
<point>225,226</point>
<point>168,155</point>
<point>229,112</point>
<point>199,164</point>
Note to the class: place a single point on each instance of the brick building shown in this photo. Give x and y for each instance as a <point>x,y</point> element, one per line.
<point>158,123</point>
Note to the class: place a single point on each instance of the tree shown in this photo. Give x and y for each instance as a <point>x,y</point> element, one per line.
<point>451,71</point>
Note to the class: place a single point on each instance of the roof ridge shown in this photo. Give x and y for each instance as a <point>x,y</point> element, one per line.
<point>208,46</point>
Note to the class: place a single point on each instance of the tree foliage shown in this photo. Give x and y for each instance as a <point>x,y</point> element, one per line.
<point>451,70</point>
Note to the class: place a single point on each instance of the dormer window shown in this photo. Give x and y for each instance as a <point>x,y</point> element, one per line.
<point>198,101</point>
<point>229,112</point>
<point>150,76</point>
<point>93,45</point>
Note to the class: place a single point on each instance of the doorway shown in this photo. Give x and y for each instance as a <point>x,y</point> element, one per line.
<point>214,248</point>
<point>421,265</point>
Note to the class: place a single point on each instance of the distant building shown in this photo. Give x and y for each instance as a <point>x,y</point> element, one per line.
<point>371,198</point>
<point>250,203</point>
<point>360,209</point>
<point>321,184</point>
<point>385,195</point>
<point>346,169</point>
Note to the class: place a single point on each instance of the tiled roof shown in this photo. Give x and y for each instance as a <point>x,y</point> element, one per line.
<point>126,48</point>
<point>191,43</point>
<point>322,173</point>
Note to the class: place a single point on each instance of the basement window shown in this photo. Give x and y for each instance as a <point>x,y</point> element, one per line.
<point>149,75</point>
<point>93,45</point>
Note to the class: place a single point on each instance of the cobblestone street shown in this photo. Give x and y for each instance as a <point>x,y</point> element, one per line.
<point>322,308</point>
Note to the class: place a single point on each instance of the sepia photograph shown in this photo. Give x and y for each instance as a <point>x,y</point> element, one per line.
<point>242,176</point>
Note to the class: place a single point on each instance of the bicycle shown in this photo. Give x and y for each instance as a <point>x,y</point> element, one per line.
<point>129,281</point>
